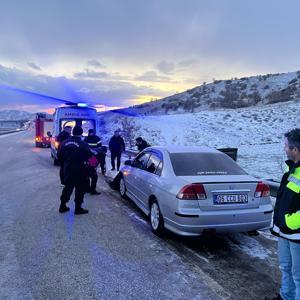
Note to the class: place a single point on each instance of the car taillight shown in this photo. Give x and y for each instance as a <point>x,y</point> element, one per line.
<point>262,190</point>
<point>194,191</point>
<point>38,138</point>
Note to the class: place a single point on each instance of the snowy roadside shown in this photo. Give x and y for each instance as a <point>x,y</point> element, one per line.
<point>257,132</point>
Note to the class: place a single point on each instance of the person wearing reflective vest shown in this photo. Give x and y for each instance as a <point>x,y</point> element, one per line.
<point>286,220</point>
<point>93,140</point>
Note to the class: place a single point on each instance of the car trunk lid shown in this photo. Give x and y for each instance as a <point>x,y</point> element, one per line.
<point>227,192</point>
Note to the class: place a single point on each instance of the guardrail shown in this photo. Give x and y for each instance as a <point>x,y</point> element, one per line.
<point>10,131</point>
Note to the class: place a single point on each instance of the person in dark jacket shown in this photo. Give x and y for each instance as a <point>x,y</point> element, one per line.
<point>116,147</point>
<point>74,153</point>
<point>65,134</point>
<point>141,144</point>
<point>94,143</point>
<point>62,136</point>
<point>286,220</point>
<point>92,139</point>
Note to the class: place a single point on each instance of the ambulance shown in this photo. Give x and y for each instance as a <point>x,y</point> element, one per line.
<point>72,115</point>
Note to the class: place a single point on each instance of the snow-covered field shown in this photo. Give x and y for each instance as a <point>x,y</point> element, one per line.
<point>256,131</point>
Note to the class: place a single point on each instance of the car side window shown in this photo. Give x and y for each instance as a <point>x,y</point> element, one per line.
<point>159,168</point>
<point>153,163</point>
<point>141,160</point>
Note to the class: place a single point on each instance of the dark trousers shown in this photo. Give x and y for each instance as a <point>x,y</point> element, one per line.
<point>103,167</point>
<point>113,157</point>
<point>92,173</point>
<point>101,159</point>
<point>67,191</point>
<point>61,173</point>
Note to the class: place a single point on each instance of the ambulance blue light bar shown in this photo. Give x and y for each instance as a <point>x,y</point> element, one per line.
<point>81,104</point>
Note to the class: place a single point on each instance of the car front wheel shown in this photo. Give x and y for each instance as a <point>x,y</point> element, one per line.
<point>156,218</point>
<point>122,188</point>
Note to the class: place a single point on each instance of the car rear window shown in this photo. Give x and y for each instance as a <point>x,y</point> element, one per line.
<point>197,164</point>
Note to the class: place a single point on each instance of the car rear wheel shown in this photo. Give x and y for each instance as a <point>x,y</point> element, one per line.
<point>122,188</point>
<point>156,218</point>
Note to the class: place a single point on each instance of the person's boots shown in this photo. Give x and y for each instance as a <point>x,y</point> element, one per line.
<point>80,211</point>
<point>63,208</point>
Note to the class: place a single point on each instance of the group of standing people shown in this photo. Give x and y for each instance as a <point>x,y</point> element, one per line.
<point>79,159</point>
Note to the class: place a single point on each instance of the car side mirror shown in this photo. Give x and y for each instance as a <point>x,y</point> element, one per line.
<point>49,134</point>
<point>128,162</point>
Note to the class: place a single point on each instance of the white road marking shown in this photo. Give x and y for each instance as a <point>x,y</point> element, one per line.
<point>133,215</point>
<point>197,254</point>
<point>214,285</point>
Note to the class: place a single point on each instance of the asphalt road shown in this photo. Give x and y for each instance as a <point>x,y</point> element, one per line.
<point>111,252</point>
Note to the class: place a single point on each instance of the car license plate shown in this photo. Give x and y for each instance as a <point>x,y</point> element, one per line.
<point>227,198</point>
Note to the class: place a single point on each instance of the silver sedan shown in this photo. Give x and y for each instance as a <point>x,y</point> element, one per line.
<point>189,190</point>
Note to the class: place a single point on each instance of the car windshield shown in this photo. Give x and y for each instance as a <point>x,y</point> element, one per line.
<point>201,164</point>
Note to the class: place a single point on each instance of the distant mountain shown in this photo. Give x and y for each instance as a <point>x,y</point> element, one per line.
<point>14,115</point>
<point>233,93</point>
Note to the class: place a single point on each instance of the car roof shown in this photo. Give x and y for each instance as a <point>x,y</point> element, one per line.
<point>184,149</point>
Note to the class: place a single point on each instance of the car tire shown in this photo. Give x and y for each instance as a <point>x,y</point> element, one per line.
<point>122,188</point>
<point>156,218</point>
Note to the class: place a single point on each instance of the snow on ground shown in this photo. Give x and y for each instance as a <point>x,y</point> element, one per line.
<point>249,246</point>
<point>256,131</point>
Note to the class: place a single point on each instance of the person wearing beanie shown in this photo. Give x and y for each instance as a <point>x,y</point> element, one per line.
<point>74,154</point>
<point>141,144</point>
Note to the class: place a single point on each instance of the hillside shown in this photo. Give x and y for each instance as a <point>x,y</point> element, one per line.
<point>256,131</point>
<point>15,115</point>
<point>235,93</point>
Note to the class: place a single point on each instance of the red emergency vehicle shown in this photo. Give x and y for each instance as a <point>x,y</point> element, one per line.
<point>43,129</point>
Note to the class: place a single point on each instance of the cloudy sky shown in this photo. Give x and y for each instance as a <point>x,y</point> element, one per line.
<point>123,52</point>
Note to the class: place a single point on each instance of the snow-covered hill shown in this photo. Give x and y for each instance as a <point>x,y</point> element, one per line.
<point>14,115</point>
<point>234,93</point>
<point>256,131</point>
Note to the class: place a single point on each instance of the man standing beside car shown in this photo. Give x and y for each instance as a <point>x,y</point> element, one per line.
<point>74,153</point>
<point>286,220</point>
<point>116,147</point>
